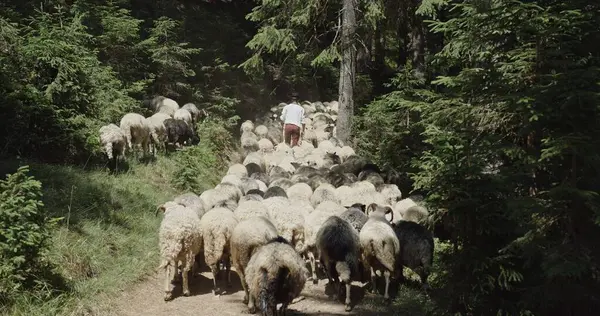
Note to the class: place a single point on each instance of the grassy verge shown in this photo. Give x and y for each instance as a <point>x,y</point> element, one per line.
<point>108,236</point>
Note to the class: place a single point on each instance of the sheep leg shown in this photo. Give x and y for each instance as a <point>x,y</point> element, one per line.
<point>215,272</point>
<point>423,275</point>
<point>244,286</point>
<point>228,272</point>
<point>347,302</point>
<point>251,306</point>
<point>168,278</point>
<point>311,258</point>
<point>190,261</point>
<point>374,281</point>
<point>387,275</point>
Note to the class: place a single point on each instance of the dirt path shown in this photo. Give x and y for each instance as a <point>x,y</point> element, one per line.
<point>146,298</point>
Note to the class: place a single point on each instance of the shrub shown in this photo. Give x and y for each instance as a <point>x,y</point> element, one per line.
<point>24,232</point>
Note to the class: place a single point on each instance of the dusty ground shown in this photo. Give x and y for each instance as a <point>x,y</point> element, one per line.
<point>146,298</point>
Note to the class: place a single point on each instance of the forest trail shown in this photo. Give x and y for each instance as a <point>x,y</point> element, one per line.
<point>146,298</point>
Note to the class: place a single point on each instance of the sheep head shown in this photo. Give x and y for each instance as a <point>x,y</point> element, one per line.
<point>375,210</point>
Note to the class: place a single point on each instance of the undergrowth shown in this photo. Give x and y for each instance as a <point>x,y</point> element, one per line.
<point>107,237</point>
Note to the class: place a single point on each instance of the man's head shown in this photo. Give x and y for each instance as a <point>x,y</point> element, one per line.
<point>294,96</point>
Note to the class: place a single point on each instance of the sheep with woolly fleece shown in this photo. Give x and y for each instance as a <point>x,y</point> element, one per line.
<point>184,115</point>
<point>247,236</point>
<point>248,209</point>
<point>299,178</point>
<point>359,192</point>
<point>113,141</point>
<point>417,249</point>
<point>284,148</point>
<point>390,192</point>
<point>303,150</point>
<point>380,245</point>
<point>263,178</point>
<point>168,107</point>
<point>247,126</point>
<point>193,201</point>
<point>299,191</point>
<point>248,184</point>
<point>261,131</point>
<point>136,131</point>
<point>372,176</point>
<point>261,185</point>
<point>408,210</point>
<point>253,195</point>
<point>179,132</point>
<point>265,145</point>
<point>289,220</point>
<point>194,111</point>
<point>277,172</point>
<point>275,191</point>
<point>220,194</point>
<point>355,215</point>
<point>275,274</point>
<point>316,181</point>
<point>180,240</point>
<point>252,168</point>
<point>217,225</point>
<point>255,158</point>
<point>238,169</point>
<point>249,142</point>
<point>158,131</point>
<point>282,183</point>
<point>338,246</point>
<point>345,152</point>
<point>331,207</point>
<point>325,192</point>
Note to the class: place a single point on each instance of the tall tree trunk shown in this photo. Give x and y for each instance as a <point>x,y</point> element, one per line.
<point>417,45</point>
<point>347,71</point>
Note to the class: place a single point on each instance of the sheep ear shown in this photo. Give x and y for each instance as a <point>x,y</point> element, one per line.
<point>371,208</point>
<point>391,212</point>
<point>161,208</point>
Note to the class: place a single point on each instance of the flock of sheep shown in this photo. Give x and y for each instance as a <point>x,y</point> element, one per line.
<point>168,124</point>
<point>282,206</point>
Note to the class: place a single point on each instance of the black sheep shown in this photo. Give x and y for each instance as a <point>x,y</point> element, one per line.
<point>179,132</point>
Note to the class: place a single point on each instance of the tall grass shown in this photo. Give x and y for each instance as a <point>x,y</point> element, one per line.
<point>108,236</point>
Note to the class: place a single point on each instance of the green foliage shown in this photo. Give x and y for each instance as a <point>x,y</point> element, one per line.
<point>171,58</point>
<point>24,234</point>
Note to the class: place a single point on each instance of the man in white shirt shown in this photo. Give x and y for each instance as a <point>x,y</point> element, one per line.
<point>292,116</point>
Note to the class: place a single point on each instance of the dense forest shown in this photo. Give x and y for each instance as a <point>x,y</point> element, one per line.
<point>488,108</point>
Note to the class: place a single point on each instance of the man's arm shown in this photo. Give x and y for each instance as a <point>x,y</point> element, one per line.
<point>283,113</point>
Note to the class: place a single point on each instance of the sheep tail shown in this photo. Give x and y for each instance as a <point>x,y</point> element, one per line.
<point>271,287</point>
<point>387,249</point>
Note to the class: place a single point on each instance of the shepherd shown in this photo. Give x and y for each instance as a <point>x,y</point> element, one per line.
<point>292,116</point>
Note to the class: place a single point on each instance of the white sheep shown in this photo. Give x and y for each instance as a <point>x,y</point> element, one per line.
<point>168,107</point>
<point>345,152</point>
<point>249,209</point>
<point>379,244</point>
<point>193,201</point>
<point>299,191</point>
<point>238,169</point>
<point>408,210</point>
<point>217,226</point>
<point>391,193</point>
<point>247,236</point>
<point>180,239</point>
<point>265,145</point>
<point>261,131</point>
<point>113,141</point>
<point>194,111</point>
<point>325,192</point>
<point>136,131</point>
<point>275,274</point>
<point>247,126</point>
<point>288,220</point>
<point>184,115</point>
<point>158,131</point>
<point>257,158</point>
<point>249,141</point>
